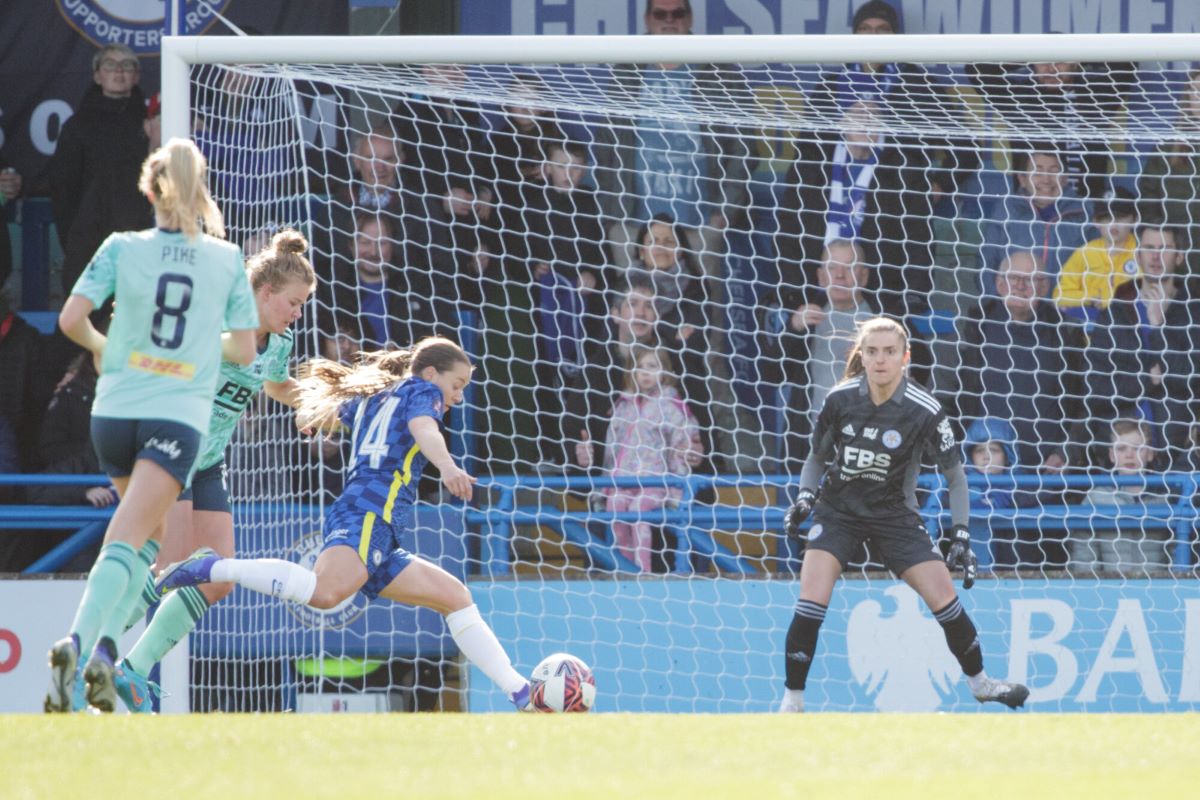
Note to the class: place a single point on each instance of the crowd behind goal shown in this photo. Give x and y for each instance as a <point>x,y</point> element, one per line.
<point>589,256</point>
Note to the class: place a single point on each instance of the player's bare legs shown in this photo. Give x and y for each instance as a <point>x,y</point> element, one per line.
<point>114,586</point>
<point>428,585</point>
<point>179,613</point>
<point>931,580</point>
<point>818,574</point>
<point>340,573</point>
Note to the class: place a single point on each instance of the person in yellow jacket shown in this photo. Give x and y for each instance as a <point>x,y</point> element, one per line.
<point>1094,271</point>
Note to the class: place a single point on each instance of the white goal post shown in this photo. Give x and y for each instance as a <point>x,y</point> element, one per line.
<point>179,53</point>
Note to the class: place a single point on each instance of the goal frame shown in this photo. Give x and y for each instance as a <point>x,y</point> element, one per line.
<point>180,53</point>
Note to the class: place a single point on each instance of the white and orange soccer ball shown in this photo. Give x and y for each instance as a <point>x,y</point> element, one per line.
<point>562,682</point>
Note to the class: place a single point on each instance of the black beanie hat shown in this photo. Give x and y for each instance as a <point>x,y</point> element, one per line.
<point>876,9</point>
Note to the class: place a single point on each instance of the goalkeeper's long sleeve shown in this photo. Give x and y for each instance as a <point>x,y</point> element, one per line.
<point>810,476</point>
<point>960,504</point>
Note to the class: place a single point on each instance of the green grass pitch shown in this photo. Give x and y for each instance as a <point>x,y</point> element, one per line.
<point>613,756</point>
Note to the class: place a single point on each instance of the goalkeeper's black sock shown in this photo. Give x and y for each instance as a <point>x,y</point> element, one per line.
<point>961,636</point>
<point>801,642</point>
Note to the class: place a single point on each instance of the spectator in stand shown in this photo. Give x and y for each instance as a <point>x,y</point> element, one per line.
<point>10,189</point>
<point>680,287</point>
<point>695,172</point>
<point>62,446</point>
<point>633,320</point>
<point>376,161</point>
<point>1094,271</point>
<point>903,93</point>
<point>375,185</point>
<point>652,435</point>
<point>1062,96</point>
<point>867,188</point>
<point>683,300</point>
<point>372,300</point>
<point>251,149</point>
<point>1170,178</point>
<point>94,171</point>
<point>65,443</point>
<point>1018,360</point>
<point>1045,217</point>
<point>816,329</point>
<point>1128,551</point>
<point>1145,349</point>
<point>521,141</point>
<point>443,134</point>
<point>558,317</point>
<point>564,213</point>
<point>27,385</point>
<point>990,447</point>
<point>452,243</point>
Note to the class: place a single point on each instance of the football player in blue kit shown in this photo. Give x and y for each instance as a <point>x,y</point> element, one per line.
<point>393,402</point>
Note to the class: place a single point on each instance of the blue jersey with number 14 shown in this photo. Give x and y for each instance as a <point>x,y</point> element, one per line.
<point>385,461</point>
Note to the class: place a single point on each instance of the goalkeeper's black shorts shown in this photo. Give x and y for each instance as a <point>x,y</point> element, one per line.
<point>900,542</point>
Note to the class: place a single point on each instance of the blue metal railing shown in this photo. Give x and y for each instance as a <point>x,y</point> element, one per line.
<point>690,521</point>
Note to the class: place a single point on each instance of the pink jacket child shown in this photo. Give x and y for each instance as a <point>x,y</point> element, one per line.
<point>652,433</point>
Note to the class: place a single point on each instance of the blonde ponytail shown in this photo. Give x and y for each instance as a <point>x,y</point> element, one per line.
<point>174,176</point>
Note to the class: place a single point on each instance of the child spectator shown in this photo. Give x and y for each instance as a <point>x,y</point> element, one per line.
<point>1095,270</point>
<point>1129,551</point>
<point>652,434</point>
<point>990,450</point>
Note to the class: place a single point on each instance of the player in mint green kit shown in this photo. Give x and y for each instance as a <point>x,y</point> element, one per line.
<point>174,288</point>
<point>282,280</point>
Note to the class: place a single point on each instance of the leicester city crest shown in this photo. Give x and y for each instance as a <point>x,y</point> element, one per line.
<point>137,24</point>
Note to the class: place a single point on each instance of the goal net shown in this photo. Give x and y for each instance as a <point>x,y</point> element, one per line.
<point>658,269</point>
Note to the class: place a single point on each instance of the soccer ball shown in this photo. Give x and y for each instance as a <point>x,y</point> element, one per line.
<point>562,683</point>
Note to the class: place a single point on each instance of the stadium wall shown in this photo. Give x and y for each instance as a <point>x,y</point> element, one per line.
<point>33,614</point>
<point>714,645</point>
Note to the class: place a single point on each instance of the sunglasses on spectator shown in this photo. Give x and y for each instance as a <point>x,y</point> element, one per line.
<point>118,66</point>
<point>661,14</point>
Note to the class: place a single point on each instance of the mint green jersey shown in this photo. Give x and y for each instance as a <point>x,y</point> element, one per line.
<point>172,298</point>
<point>237,386</point>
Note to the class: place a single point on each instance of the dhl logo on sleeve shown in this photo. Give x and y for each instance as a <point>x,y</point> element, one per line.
<point>162,366</point>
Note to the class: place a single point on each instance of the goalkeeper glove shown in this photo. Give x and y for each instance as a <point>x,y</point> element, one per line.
<point>960,555</point>
<point>799,512</point>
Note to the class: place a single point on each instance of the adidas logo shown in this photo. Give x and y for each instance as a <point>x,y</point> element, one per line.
<point>848,430</point>
<point>798,656</point>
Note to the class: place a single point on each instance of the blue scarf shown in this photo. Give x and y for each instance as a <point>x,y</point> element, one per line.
<point>858,86</point>
<point>848,187</point>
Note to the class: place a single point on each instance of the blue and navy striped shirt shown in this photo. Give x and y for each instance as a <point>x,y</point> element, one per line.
<point>385,462</point>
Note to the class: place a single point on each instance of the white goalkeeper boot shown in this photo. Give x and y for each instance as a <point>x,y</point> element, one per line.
<point>792,702</point>
<point>988,689</point>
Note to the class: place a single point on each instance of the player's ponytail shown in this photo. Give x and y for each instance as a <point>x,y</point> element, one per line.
<point>173,177</point>
<point>854,363</point>
<point>281,262</point>
<point>325,384</point>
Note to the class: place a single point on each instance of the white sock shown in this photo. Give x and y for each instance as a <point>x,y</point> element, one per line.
<point>794,697</point>
<point>477,642</point>
<point>269,576</point>
<point>976,682</point>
